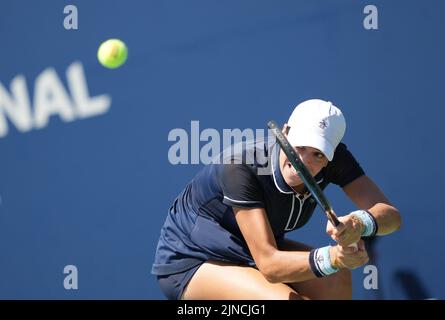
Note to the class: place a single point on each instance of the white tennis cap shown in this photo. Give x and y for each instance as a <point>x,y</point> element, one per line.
<point>318,124</point>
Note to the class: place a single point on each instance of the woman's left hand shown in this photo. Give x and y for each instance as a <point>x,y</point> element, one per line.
<point>348,232</point>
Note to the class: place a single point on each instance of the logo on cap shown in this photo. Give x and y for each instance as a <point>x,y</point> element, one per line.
<point>323,124</point>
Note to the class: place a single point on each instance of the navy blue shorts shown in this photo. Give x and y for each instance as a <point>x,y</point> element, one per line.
<point>173,285</point>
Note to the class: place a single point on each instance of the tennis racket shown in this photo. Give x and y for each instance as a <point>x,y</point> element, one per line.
<point>305,175</point>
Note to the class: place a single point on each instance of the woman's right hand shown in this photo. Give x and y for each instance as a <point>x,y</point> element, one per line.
<point>348,257</point>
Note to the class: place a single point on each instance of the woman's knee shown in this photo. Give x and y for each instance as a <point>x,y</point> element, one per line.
<point>340,286</point>
<point>343,277</point>
<point>336,286</point>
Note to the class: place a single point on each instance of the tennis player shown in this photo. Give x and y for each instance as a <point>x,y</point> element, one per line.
<point>224,235</point>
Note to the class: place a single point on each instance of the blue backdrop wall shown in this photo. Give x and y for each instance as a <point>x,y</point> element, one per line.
<point>85,178</point>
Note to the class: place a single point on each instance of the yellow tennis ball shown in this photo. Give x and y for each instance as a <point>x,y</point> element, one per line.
<point>112,53</point>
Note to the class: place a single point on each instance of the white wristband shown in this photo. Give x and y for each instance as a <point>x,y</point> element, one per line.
<point>368,221</point>
<point>320,262</point>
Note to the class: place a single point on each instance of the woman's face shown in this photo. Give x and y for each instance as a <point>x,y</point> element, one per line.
<point>313,159</point>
